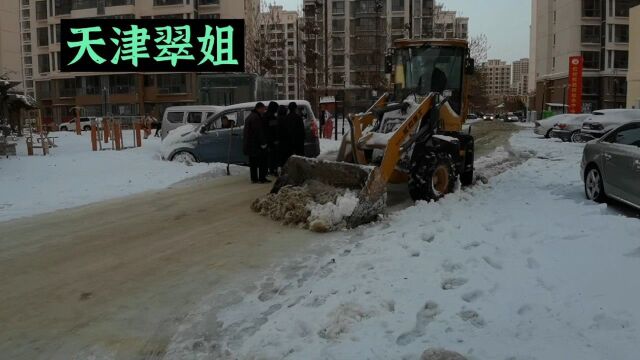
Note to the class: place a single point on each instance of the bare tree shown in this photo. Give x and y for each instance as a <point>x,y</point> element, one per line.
<point>267,40</point>
<point>478,97</point>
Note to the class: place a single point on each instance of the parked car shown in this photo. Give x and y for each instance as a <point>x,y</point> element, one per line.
<point>219,137</point>
<point>568,129</point>
<point>543,127</point>
<point>488,117</point>
<point>176,116</point>
<point>511,117</point>
<point>611,166</point>
<point>602,121</point>
<point>85,123</point>
<point>472,117</point>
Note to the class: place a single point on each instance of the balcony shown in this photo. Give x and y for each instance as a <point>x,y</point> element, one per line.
<point>167,2</point>
<point>84,4</point>
<point>119,2</point>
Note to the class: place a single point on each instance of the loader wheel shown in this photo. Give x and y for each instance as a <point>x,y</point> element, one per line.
<point>432,177</point>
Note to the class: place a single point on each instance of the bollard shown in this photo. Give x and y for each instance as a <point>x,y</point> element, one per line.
<point>138,134</point>
<point>105,127</point>
<point>116,136</point>
<point>78,129</point>
<point>94,137</point>
<point>30,146</point>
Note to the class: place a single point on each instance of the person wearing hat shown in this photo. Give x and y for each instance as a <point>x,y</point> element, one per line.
<point>255,144</point>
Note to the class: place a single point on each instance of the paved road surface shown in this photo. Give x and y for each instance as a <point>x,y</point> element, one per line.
<point>115,279</point>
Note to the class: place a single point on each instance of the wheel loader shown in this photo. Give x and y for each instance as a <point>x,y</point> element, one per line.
<point>412,136</point>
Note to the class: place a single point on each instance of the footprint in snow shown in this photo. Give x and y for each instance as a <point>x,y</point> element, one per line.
<point>427,237</point>
<point>493,263</point>
<point>635,253</point>
<point>471,245</point>
<point>532,263</point>
<point>472,317</point>
<point>423,318</point>
<point>453,283</point>
<point>471,296</point>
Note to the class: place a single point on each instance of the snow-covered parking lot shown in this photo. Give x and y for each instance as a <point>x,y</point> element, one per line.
<point>520,268</point>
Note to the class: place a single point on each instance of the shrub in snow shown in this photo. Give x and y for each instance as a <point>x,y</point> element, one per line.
<point>441,354</point>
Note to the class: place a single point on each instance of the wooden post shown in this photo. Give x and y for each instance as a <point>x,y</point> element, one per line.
<point>30,146</point>
<point>105,128</point>
<point>138,134</point>
<point>94,137</point>
<point>78,129</point>
<point>121,138</point>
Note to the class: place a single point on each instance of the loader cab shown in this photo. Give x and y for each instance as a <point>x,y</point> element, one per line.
<point>423,67</point>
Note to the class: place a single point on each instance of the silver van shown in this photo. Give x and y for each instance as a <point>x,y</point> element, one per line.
<point>218,135</point>
<point>176,116</point>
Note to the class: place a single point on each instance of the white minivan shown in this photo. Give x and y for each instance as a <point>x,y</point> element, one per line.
<point>176,116</point>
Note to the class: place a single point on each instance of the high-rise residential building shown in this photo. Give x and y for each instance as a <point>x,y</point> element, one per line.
<point>597,30</point>
<point>358,33</point>
<point>447,25</point>
<point>119,94</point>
<point>282,29</point>
<point>497,78</point>
<point>520,77</point>
<point>633,76</point>
<point>10,53</point>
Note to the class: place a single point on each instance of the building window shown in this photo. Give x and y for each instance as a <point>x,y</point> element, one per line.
<point>337,78</point>
<point>620,59</point>
<point>43,36</point>
<point>590,86</point>
<point>590,34</point>
<point>166,2</point>
<point>591,59</point>
<point>120,2</point>
<point>43,63</point>
<point>591,8</point>
<point>62,7</point>
<point>622,7</point>
<point>91,85</point>
<point>172,83</point>
<point>84,4</point>
<point>209,16</point>
<point>397,5</point>
<point>621,34</point>
<point>41,10</point>
<point>337,7</point>
<point>43,89</point>
<point>67,87</point>
<point>337,25</point>
<point>337,43</point>
<point>121,84</point>
<point>397,23</point>
<point>337,60</point>
<point>169,16</point>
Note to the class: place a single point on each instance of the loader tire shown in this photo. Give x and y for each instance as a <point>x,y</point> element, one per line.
<point>432,177</point>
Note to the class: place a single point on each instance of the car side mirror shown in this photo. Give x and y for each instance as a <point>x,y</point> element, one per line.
<point>203,129</point>
<point>470,66</point>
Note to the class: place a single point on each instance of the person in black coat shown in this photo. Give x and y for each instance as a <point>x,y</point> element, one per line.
<point>284,149</point>
<point>273,141</point>
<point>295,130</point>
<point>255,144</point>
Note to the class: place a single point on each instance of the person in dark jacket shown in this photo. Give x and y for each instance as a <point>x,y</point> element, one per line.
<point>295,130</point>
<point>284,149</point>
<point>255,144</point>
<point>273,141</point>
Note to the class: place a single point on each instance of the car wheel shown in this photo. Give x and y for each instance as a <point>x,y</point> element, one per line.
<point>64,128</point>
<point>548,134</point>
<point>576,137</point>
<point>184,157</point>
<point>86,128</point>
<point>593,185</point>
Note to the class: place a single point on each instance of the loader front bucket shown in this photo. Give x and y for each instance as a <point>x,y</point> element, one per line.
<point>365,180</point>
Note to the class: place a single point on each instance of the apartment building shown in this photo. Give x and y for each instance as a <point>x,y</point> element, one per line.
<point>358,33</point>
<point>598,30</point>
<point>447,25</point>
<point>282,31</point>
<point>497,77</point>
<point>119,94</point>
<point>10,53</point>
<point>633,76</point>
<point>520,77</point>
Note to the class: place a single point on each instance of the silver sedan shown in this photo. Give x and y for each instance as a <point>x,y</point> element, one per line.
<point>611,166</point>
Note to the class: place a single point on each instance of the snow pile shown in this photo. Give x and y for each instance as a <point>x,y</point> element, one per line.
<point>314,205</point>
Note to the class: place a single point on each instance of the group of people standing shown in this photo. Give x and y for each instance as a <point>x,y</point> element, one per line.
<point>271,135</point>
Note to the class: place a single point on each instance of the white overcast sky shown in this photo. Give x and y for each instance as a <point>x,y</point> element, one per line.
<point>505,22</point>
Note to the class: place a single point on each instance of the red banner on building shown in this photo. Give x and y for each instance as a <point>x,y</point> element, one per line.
<point>575,84</point>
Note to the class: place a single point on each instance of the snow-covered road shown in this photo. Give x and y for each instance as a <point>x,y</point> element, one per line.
<point>520,268</point>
